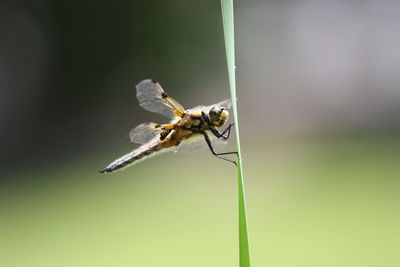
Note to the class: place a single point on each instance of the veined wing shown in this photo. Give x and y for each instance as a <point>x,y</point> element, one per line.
<point>152,97</point>
<point>197,143</point>
<point>227,103</point>
<point>144,132</point>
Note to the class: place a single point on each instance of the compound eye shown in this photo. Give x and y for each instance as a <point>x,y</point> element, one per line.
<point>214,113</point>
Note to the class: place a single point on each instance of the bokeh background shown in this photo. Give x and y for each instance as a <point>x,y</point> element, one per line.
<point>319,102</point>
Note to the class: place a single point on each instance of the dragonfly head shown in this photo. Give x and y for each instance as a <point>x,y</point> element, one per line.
<point>218,115</point>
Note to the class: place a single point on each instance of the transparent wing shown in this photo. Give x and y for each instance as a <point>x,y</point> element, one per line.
<point>197,143</point>
<point>227,103</point>
<point>152,97</point>
<point>144,132</point>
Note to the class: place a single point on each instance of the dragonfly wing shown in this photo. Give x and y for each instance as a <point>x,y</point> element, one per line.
<point>227,103</point>
<point>152,97</point>
<point>197,143</point>
<point>144,132</point>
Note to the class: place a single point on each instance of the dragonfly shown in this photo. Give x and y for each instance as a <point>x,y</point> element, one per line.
<point>188,130</point>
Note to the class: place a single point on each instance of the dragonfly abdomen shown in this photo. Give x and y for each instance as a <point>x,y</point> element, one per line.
<point>135,156</point>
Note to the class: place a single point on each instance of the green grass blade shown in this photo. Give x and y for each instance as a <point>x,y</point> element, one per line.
<point>228,23</point>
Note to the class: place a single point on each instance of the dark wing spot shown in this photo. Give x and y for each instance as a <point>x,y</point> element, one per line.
<point>164,95</point>
<point>157,126</point>
<point>154,81</point>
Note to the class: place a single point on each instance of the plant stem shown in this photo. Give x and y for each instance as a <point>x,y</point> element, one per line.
<point>228,24</point>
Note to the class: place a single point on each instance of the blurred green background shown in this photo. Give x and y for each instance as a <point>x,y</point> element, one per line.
<point>318,104</point>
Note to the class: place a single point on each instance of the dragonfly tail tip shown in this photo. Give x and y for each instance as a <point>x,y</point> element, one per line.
<point>105,170</point>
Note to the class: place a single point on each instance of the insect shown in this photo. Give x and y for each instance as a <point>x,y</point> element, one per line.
<point>187,128</point>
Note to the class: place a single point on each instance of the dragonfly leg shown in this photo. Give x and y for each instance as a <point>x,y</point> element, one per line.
<point>227,130</point>
<point>219,135</point>
<point>229,153</point>
<point>218,155</point>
